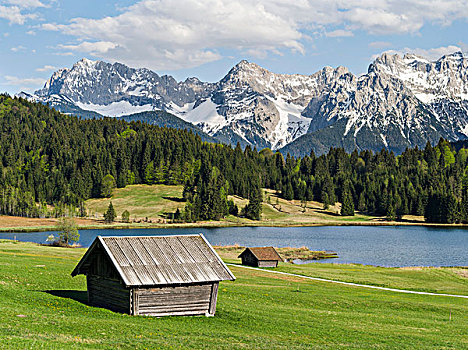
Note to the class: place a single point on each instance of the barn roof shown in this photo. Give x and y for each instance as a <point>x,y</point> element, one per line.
<point>263,253</point>
<point>159,260</point>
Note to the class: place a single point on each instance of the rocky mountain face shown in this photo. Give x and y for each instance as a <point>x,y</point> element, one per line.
<point>263,108</point>
<point>401,102</point>
<point>115,89</point>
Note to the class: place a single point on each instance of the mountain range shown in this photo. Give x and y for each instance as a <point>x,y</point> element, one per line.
<point>400,102</point>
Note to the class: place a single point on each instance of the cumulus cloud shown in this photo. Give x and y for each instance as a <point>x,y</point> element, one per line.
<point>170,35</point>
<point>431,54</point>
<point>14,15</point>
<point>96,48</point>
<point>26,3</point>
<point>166,34</point>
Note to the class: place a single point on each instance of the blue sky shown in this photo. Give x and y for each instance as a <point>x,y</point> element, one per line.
<point>205,38</point>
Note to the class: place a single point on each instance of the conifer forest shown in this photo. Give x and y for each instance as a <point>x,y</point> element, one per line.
<point>51,159</point>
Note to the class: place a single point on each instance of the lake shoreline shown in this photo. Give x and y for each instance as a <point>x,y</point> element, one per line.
<point>97,225</point>
<point>392,246</point>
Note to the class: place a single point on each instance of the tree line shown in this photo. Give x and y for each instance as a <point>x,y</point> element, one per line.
<point>50,160</point>
<point>432,181</point>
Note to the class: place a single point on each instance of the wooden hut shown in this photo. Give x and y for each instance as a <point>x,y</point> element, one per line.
<point>260,257</point>
<point>153,276</point>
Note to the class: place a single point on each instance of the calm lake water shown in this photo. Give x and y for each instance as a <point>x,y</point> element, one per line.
<point>370,245</point>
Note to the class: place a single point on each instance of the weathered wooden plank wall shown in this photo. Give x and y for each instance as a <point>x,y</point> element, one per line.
<point>179,300</point>
<point>108,293</point>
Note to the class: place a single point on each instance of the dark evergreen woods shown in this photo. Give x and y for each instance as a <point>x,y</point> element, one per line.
<point>432,182</point>
<point>49,158</point>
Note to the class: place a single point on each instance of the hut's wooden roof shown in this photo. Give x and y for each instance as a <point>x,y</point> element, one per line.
<point>160,260</point>
<point>263,253</point>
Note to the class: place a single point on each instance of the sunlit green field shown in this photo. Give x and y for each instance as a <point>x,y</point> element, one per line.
<point>43,307</point>
<point>156,201</point>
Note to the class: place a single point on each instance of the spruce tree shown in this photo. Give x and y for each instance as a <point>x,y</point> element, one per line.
<point>362,202</point>
<point>347,207</point>
<point>391,212</point>
<point>253,210</point>
<point>326,202</point>
<point>110,215</point>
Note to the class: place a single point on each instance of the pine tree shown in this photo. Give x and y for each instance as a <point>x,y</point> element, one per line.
<point>450,207</point>
<point>362,202</point>
<point>149,173</point>
<point>326,202</point>
<point>253,210</point>
<point>110,215</point>
<point>391,212</point>
<point>288,193</point>
<point>347,207</point>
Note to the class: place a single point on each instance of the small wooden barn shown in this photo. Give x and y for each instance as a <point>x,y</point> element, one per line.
<point>260,257</point>
<point>153,275</point>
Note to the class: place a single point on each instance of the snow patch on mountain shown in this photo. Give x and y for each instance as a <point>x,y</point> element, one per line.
<point>205,116</point>
<point>401,101</point>
<point>115,109</point>
<point>179,110</point>
<point>291,123</point>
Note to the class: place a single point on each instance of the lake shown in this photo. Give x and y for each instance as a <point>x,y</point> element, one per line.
<point>370,245</point>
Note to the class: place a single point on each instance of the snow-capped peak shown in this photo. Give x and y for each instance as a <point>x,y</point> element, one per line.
<point>402,100</point>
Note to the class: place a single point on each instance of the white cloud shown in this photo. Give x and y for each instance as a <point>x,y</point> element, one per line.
<point>14,10</point>
<point>18,48</point>
<point>26,3</point>
<point>95,48</point>
<point>339,33</point>
<point>431,54</point>
<point>14,15</point>
<point>23,82</point>
<point>170,35</point>
<point>46,68</point>
<point>167,34</point>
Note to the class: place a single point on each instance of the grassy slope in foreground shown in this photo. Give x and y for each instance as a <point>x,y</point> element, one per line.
<point>258,310</point>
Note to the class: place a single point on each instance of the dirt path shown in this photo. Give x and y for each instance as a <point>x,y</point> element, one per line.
<point>353,284</point>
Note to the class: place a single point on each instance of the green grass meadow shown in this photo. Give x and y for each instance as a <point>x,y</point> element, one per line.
<point>141,201</point>
<point>43,307</point>
<point>156,201</point>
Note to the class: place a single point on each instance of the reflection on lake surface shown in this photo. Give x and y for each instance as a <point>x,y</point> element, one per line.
<point>371,245</point>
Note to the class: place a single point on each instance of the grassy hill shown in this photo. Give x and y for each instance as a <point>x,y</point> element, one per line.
<point>154,202</point>
<point>141,201</point>
<point>150,206</point>
<point>42,306</point>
